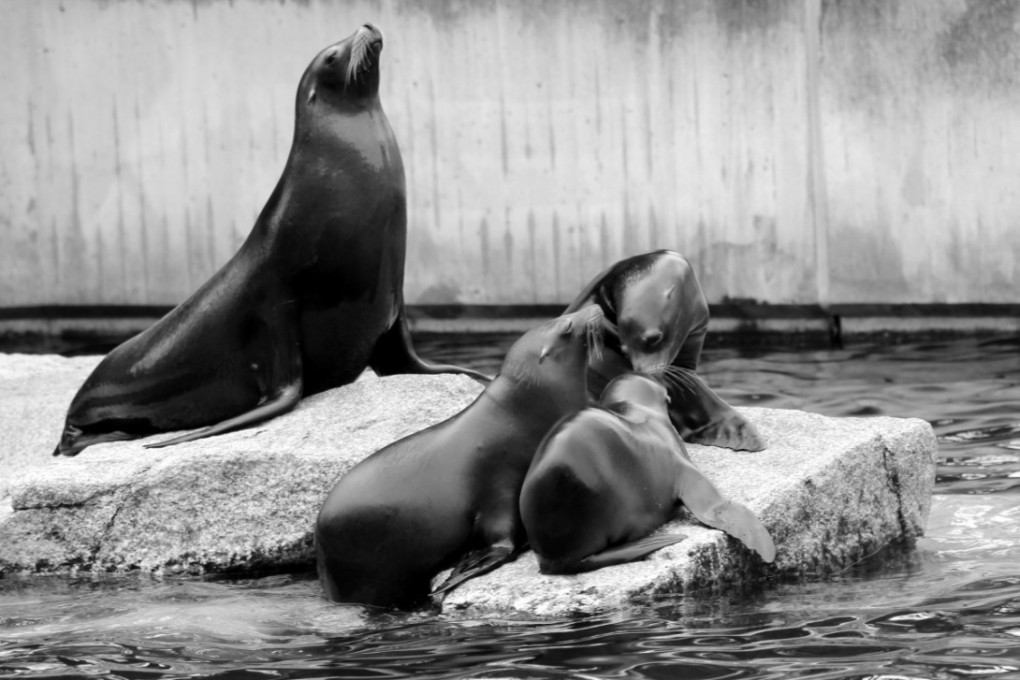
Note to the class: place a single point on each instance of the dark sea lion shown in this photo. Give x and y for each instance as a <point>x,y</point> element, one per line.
<point>314,295</point>
<point>661,316</point>
<point>606,477</point>
<point>447,496</point>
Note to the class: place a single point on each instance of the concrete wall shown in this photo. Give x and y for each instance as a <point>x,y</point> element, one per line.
<point>920,110</point>
<point>799,151</point>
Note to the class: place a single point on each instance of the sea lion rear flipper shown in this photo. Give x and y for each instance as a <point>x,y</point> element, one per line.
<point>702,417</point>
<point>706,502</point>
<point>618,554</point>
<point>285,400</point>
<point>476,563</point>
<point>394,353</point>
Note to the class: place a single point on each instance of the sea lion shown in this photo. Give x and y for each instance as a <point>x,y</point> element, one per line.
<point>606,477</point>
<point>313,296</point>
<point>660,314</point>
<point>447,496</point>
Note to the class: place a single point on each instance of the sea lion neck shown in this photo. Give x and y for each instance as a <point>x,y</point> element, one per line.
<point>513,392</point>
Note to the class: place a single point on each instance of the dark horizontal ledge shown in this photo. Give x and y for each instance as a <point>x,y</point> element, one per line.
<point>51,312</point>
<point>960,310</point>
<point>727,310</point>
<point>95,329</point>
<point>722,310</point>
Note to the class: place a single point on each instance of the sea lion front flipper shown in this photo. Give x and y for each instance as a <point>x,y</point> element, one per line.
<point>707,503</point>
<point>281,381</point>
<point>618,554</point>
<point>73,440</point>
<point>702,417</point>
<point>476,563</point>
<point>393,353</point>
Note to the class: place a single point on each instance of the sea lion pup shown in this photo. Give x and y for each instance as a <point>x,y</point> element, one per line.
<point>660,314</point>
<point>447,496</point>
<point>314,295</point>
<point>606,477</point>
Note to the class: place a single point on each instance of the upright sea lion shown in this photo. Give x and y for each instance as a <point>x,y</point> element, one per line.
<point>314,295</point>
<point>447,496</point>
<point>606,477</point>
<point>661,316</point>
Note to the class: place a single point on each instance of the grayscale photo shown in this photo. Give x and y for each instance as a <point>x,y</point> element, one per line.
<point>487,339</point>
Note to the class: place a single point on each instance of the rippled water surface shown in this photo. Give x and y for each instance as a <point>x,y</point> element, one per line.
<point>948,608</point>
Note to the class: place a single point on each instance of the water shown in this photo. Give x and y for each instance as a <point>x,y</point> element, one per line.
<point>948,608</point>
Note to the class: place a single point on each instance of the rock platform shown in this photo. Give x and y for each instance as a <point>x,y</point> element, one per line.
<point>830,490</point>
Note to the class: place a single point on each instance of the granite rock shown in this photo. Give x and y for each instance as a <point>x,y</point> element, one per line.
<point>242,501</point>
<point>831,491</point>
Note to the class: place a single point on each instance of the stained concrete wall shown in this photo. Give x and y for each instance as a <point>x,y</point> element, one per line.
<point>798,150</point>
<point>920,110</point>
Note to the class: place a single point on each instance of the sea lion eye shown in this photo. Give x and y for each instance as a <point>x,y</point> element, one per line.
<point>331,58</point>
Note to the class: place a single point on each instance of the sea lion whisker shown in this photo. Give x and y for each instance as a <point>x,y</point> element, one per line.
<point>681,374</point>
<point>593,333</point>
<point>666,379</point>
<point>358,50</point>
<point>593,318</point>
<point>594,340</point>
<point>677,377</point>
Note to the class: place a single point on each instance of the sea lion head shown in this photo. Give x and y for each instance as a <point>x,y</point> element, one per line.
<point>636,398</point>
<point>565,335</point>
<point>346,71</point>
<point>554,356</point>
<point>636,388</point>
<point>659,304</point>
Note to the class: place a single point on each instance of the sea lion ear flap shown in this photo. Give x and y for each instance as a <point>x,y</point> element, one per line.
<point>605,301</point>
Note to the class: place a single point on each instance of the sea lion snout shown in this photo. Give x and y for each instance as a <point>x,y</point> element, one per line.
<point>365,46</point>
<point>369,36</point>
<point>372,30</point>
<point>650,363</point>
<point>580,330</point>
